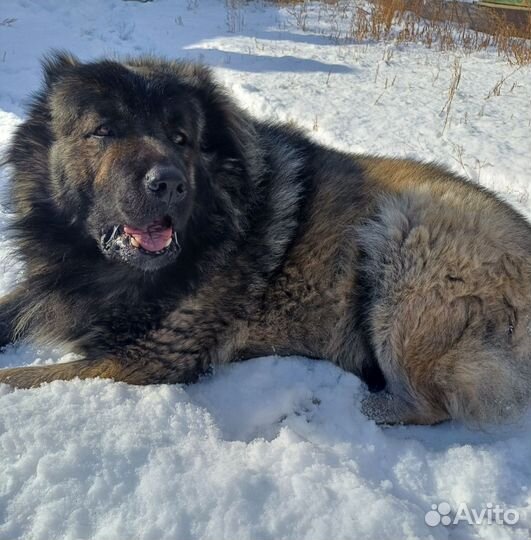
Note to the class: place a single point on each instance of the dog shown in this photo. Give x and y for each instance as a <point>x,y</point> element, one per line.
<point>163,230</point>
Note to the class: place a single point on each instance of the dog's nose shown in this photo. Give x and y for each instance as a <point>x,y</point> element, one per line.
<point>166,183</point>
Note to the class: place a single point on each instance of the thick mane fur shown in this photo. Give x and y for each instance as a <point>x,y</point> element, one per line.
<point>236,189</point>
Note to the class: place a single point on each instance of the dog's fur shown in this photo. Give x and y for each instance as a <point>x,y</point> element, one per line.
<point>400,272</point>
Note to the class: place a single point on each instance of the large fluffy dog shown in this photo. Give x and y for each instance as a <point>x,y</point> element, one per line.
<point>163,231</point>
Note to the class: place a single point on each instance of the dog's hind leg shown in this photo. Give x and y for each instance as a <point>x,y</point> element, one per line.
<point>450,317</point>
<point>390,409</point>
<point>471,383</point>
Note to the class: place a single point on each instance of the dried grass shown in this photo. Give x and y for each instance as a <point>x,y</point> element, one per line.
<point>448,26</point>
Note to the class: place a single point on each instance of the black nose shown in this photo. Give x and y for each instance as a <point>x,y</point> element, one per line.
<point>166,183</point>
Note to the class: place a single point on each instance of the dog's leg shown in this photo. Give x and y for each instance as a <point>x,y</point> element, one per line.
<point>390,410</point>
<point>132,371</point>
<point>451,345</point>
<point>179,351</point>
<point>28,377</point>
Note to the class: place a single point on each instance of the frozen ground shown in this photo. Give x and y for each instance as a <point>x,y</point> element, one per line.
<point>274,448</point>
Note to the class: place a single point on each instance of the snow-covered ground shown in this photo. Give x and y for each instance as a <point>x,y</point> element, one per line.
<point>273,448</point>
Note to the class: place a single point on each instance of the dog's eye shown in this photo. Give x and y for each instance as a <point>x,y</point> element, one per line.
<point>180,138</point>
<point>103,131</point>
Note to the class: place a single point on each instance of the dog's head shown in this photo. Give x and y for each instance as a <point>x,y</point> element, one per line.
<point>130,148</point>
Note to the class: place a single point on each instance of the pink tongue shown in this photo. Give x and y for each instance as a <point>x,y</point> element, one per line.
<point>154,238</point>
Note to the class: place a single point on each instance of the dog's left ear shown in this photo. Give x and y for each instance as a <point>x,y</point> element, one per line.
<point>228,129</point>
<point>56,64</point>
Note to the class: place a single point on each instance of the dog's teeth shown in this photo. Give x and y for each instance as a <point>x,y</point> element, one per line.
<point>134,242</point>
<point>168,242</point>
<point>115,230</point>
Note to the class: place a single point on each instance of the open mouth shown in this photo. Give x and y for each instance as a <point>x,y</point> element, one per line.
<point>155,239</point>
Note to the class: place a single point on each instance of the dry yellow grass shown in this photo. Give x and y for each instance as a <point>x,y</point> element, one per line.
<point>435,23</point>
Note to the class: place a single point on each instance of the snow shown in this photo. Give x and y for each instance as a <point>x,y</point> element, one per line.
<point>272,448</point>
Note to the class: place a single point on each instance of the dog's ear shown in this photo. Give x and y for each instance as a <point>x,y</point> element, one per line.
<point>56,64</point>
<point>228,129</point>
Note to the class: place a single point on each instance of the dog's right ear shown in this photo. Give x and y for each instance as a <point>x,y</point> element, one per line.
<point>56,64</point>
